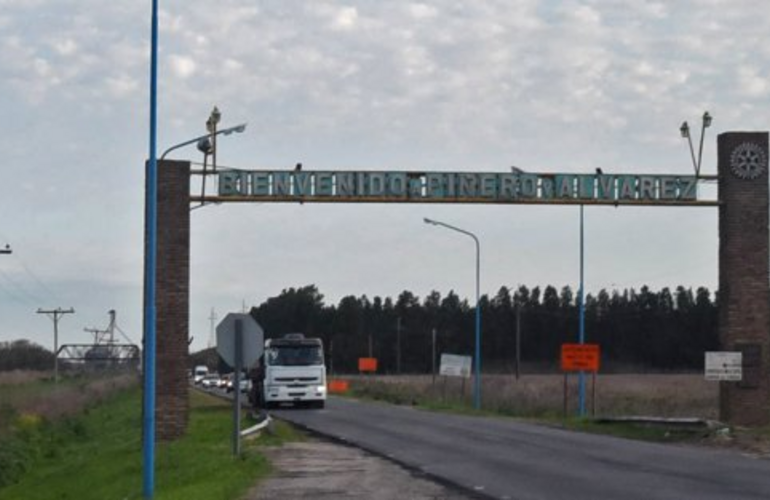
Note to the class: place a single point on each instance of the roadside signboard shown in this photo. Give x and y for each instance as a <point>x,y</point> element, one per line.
<point>724,366</point>
<point>453,365</point>
<point>580,357</point>
<point>253,343</point>
<point>367,365</point>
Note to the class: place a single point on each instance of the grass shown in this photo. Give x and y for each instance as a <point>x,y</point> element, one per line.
<point>643,432</point>
<point>36,393</point>
<point>98,455</point>
<point>542,396</point>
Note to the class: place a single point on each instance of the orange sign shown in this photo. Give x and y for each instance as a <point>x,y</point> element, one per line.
<point>580,357</point>
<point>367,364</point>
<point>338,386</point>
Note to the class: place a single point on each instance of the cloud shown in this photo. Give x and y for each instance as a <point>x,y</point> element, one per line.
<point>422,11</point>
<point>122,86</point>
<point>346,18</point>
<point>65,47</point>
<point>752,83</point>
<point>182,66</point>
<point>423,84</point>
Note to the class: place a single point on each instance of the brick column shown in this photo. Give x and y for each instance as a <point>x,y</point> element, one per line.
<point>744,297</point>
<point>172,299</point>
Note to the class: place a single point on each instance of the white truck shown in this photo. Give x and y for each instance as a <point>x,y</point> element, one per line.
<point>200,372</point>
<point>294,371</point>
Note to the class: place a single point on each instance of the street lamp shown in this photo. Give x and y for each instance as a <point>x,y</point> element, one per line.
<point>207,144</point>
<point>477,374</point>
<point>684,130</point>
<point>203,140</point>
<point>6,250</point>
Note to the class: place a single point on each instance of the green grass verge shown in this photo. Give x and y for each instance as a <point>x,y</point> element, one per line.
<point>98,455</point>
<point>659,433</point>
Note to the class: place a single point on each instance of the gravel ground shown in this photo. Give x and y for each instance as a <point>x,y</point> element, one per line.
<point>322,470</point>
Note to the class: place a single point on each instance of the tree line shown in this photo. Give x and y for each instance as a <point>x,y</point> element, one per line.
<point>639,329</point>
<point>24,355</point>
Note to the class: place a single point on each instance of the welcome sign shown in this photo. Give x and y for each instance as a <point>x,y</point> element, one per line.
<point>404,186</point>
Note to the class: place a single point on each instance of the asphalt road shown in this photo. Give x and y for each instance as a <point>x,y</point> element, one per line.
<point>504,459</point>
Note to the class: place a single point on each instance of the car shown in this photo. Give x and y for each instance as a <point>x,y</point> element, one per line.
<point>245,384</point>
<point>210,381</point>
<point>224,380</point>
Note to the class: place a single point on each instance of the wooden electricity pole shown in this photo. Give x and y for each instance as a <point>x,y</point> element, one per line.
<point>55,314</point>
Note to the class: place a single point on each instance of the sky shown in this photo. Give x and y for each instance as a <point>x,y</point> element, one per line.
<point>546,86</point>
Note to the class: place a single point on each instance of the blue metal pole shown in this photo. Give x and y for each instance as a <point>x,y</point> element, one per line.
<point>582,319</point>
<point>149,276</point>
<point>477,389</point>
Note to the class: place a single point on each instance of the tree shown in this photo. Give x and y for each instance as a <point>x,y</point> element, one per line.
<point>644,328</point>
<point>24,355</point>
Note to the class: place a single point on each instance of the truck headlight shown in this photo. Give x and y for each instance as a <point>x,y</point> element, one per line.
<point>321,388</point>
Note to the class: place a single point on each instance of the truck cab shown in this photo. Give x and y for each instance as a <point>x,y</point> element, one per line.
<point>294,371</point>
<point>199,372</point>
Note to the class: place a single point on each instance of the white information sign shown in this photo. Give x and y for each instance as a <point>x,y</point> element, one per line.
<point>724,366</point>
<point>453,365</point>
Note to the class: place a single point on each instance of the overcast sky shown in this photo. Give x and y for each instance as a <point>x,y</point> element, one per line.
<point>438,85</point>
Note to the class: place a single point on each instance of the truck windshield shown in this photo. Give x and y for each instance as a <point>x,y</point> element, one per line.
<point>304,355</point>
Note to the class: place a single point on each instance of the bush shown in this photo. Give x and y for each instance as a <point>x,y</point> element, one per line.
<point>14,460</point>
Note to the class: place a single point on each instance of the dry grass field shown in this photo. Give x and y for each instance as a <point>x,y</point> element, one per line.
<point>669,395</point>
<point>34,393</point>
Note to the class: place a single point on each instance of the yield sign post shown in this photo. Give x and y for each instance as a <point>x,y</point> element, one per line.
<point>253,339</point>
<point>240,343</point>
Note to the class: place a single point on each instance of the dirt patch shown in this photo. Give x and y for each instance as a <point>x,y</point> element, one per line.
<point>322,470</point>
<point>752,442</point>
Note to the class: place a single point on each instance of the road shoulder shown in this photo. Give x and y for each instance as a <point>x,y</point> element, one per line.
<point>323,470</point>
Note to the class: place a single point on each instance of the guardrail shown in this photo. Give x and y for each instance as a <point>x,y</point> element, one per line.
<point>245,432</point>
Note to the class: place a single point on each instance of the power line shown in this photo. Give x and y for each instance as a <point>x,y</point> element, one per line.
<point>37,280</point>
<point>18,291</point>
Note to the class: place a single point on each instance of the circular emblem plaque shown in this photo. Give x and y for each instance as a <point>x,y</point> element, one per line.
<point>748,161</point>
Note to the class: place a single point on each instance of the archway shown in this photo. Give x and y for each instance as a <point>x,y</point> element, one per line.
<point>744,268</point>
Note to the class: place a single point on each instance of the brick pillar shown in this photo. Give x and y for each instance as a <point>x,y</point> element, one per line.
<point>744,297</point>
<point>172,299</point>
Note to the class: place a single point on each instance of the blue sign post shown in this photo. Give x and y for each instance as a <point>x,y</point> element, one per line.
<point>582,319</point>
<point>149,276</point>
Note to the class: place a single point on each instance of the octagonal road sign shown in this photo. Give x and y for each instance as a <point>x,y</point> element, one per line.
<point>253,339</point>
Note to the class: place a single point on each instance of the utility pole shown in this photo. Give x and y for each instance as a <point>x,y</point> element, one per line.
<point>212,319</point>
<point>518,339</point>
<point>55,314</point>
<point>398,345</point>
<point>433,356</point>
